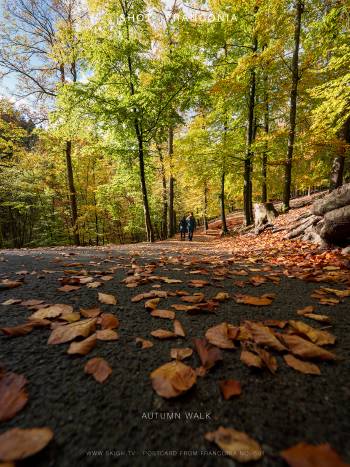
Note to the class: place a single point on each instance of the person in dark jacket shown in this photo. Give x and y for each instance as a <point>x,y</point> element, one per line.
<point>191,225</point>
<point>183,228</point>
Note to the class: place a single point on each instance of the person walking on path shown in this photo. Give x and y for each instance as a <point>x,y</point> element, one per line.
<point>191,225</point>
<point>183,228</point>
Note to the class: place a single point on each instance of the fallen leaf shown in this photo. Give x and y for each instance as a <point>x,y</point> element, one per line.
<point>151,294</point>
<point>7,284</point>
<point>208,354</point>
<point>251,359</point>
<point>263,335</point>
<point>307,309</point>
<point>173,379</point>
<point>108,321</point>
<point>338,293</point>
<point>152,304</point>
<point>32,302</point>
<point>13,396</point>
<point>268,359</point>
<point>316,317</point>
<point>18,443</point>
<point>145,344</point>
<point>195,298</point>
<point>107,335</point>
<point>163,334</point>
<point>69,332</point>
<point>307,368</point>
<point>94,285</point>
<point>314,335</point>
<point>107,299</point>
<point>198,283</point>
<point>82,347</point>
<point>178,328</point>
<point>236,444</point>
<point>230,388</point>
<point>257,280</point>
<point>68,288</point>
<point>17,331</point>
<point>12,301</point>
<point>303,348</point>
<point>308,455</point>
<point>180,307</point>
<point>168,314</point>
<point>251,300</point>
<point>70,317</point>
<point>52,311</point>
<point>221,296</point>
<point>181,354</point>
<point>90,312</point>
<point>220,336</point>
<point>98,368</point>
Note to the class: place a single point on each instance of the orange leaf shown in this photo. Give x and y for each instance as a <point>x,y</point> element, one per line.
<point>308,455</point>
<point>314,335</point>
<point>173,379</point>
<point>195,298</point>
<point>307,368</point>
<point>107,335</point>
<point>219,336</point>
<point>168,314</point>
<point>208,353</point>
<point>90,312</point>
<point>178,328</point>
<point>68,332</point>
<point>98,368</point>
<point>181,354</point>
<point>230,388</point>
<point>263,335</point>
<point>108,321</point>
<point>163,334</point>
<point>251,300</point>
<point>18,443</point>
<point>250,359</point>
<point>306,349</point>
<point>20,330</point>
<point>152,304</point>
<point>145,344</point>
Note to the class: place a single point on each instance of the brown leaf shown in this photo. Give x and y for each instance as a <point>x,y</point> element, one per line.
<point>251,359</point>
<point>257,280</point>
<point>221,296</point>
<point>338,293</point>
<point>90,312</point>
<point>151,294</point>
<point>11,301</point>
<point>306,349</point>
<point>7,284</point>
<point>82,347</point>
<point>236,444</point>
<point>69,332</point>
<point>107,299</point>
<point>263,335</point>
<point>275,323</point>
<point>308,455</point>
<point>145,344</point>
<point>195,298</point>
<point>173,379</point>
<point>68,288</point>
<point>307,368</point>
<point>251,300</point>
<point>163,334</point>
<point>18,443</point>
<point>98,368</point>
<point>152,304</point>
<point>107,335</point>
<point>52,311</point>
<point>13,396</point>
<point>33,302</point>
<point>94,285</point>
<point>319,318</point>
<point>230,388</point>
<point>198,283</point>
<point>242,272</point>
<point>219,336</point>
<point>314,335</point>
<point>181,354</point>
<point>20,330</point>
<point>108,321</point>
<point>180,307</point>
<point>178,328</point>
<point>208,354</point>
<point>70,317</point>
<point>268,359</point>
<point>307,309</point>
<point>168,314</point>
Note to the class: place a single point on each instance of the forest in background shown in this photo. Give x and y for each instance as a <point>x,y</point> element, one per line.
<point>127,114</point>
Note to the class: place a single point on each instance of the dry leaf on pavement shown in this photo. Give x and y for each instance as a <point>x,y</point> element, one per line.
<point>98,368</point>
<point>307,368</point>
<point>69,332</point>
<point>13,395</point>
<point>181,354</point>
<point>107,299</point>
<point>18,443</point>
<point>173,379</point>
<point>230,388</point>
<point>82,347</point>
<point>308,455</point>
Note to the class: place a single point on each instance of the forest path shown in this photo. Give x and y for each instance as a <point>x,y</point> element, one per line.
<point>119,422</point>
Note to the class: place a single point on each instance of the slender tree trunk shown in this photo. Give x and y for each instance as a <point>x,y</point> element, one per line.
<point>164,195</point>
<point>299,8</point>
<point>171,228</point>
<point>205,207</point>
<point>337,172</point>
<point>266,145</point>
<point>148,221</point>
<point>224,229</point>
<point>72,192</point>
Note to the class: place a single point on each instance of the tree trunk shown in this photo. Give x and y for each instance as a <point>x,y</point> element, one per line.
<point>148,221</point>
<point>72,192</point>
<point>171,228</point>
<point>205,207</point>
<point>224,229</point>
<point>266,145</point>
<point>247,190</point>
<point>164,231</point>
<point>299,8</point>
<point>336,178</point>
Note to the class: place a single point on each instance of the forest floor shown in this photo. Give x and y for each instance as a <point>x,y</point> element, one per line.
<point>124,421</point>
